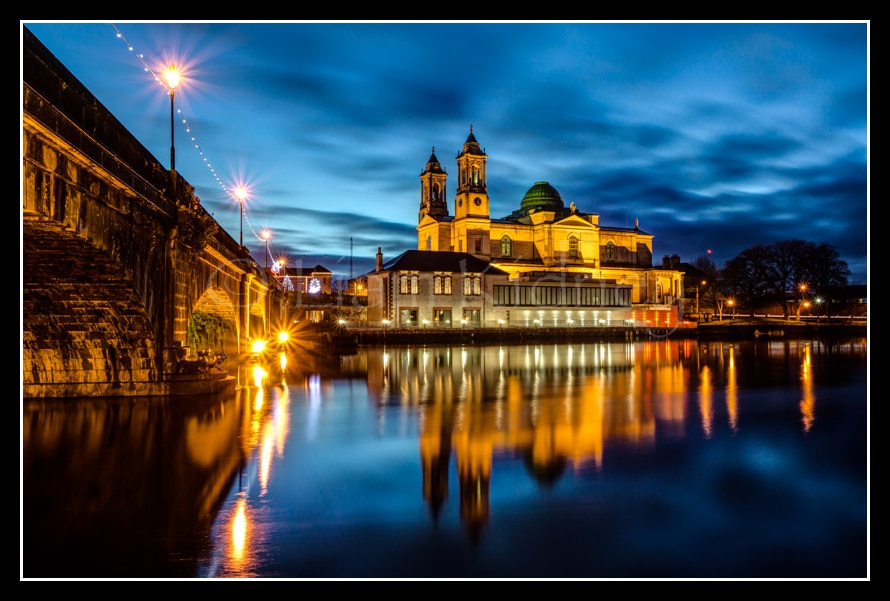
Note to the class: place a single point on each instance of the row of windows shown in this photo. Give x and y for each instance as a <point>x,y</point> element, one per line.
<point>610,254</point>
<point>441,317</point>
<point>560,296</point>
<point>410,284</point>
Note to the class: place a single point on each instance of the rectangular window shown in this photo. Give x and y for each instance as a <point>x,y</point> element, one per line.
<point>442,284</point>
<point>472,285</point>
<point>408,318</point>
<point>409,284</point>
<point>441,318</point>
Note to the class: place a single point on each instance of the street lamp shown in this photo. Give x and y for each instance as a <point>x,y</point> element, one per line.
<point>266,235</point>
<point>241,195</point>
<point>703,282</point>
<point>173,78</point>
<point>800,303</point>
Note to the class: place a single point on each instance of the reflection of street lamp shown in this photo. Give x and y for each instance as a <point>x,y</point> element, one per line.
<point>266,235</point>
<point>241,195</point>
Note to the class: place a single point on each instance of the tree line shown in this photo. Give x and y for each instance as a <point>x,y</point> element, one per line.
<point>793,274</point>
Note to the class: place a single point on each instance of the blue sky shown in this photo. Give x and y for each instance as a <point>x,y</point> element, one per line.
<point>715,135</point>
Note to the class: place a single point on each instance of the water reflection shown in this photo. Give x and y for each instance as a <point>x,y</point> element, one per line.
<point>267,481</point>
<point>560,406</point>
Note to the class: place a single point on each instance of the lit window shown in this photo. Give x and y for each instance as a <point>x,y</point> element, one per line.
<point>573,247</point>
<point>506,247</point>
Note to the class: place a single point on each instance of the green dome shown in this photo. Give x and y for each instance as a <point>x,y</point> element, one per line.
<point>542,196</point>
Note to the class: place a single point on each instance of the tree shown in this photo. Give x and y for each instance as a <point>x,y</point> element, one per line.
<point>827,273</point>
<point>774,273</point>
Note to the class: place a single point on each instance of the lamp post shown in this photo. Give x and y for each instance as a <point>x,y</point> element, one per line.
<point>241,195</point>
<point>697,288</point>
<point>173,79</point>
<point>800,303</point>
<point>266,235</point>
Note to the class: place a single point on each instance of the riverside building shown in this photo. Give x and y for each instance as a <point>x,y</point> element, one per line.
<point>544,265</point>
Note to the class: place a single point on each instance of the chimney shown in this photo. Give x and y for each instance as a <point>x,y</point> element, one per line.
<point>675,260</point>
<point>666,261</point>
<point>379,259</point>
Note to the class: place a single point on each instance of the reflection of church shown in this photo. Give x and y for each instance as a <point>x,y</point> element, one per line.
<point>543,264</point>
<point>466,423</point>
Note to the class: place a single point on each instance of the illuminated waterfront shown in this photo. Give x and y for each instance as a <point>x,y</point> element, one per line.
<point>656,459</point>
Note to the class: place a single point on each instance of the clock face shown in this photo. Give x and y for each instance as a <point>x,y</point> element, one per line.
<point>477,201</point>
<point>460,202</point>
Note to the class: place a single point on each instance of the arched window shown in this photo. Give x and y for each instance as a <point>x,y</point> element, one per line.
<point>506,247</point>
<point>429,243</point>
<point>472,285</point>
<point>435,191</point>
<point>610,251</point>
<point>573,247</point>
<point>442,284</point>
<point>409,284</point>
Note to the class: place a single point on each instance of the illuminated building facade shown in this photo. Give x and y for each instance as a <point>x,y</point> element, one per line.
<point>544,265</point>
<point>545,241</point>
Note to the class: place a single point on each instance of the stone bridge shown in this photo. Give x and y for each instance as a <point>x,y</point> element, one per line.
<point>123,270</point>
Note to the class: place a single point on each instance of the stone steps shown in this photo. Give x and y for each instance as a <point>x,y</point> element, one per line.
<point>82,322</point>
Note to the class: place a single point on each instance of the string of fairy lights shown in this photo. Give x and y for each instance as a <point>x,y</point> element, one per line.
<point>232,193</point>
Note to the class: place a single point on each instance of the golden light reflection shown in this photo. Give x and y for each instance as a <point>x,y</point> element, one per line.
<point>266,456</point>
<point>808,403</point>
<point>259,376</point>
<point>705,400</point>
<point>732,390</point>
<point>239,531</point>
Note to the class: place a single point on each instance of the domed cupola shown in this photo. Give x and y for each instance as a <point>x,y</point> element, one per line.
<point>543,197</point>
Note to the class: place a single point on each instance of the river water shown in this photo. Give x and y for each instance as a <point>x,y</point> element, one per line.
<point>654,459</point>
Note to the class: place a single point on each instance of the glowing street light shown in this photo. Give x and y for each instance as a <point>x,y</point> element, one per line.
<point>802,303</point>
<point>241,195</point>
<point>171,74</point>
<point>697,288</point>
<point>266,234</point>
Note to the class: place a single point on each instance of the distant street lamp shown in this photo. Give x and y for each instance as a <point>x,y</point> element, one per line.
<point>697,288</point>
<point>266,235</point>
<point>801,303</point>
<point>241,195</point>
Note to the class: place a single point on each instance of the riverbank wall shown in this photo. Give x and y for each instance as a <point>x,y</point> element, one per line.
<point>719,330</point>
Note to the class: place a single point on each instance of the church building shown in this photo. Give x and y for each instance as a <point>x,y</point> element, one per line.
<point>543,264</point>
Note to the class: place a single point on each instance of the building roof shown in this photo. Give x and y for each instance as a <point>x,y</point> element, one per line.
<point>541,196</point>
<point>305,271</point>
<point>439,260</point>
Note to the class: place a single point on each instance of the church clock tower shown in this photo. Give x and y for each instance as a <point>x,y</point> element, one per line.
<point>472,189</point>
<point>432,190</point>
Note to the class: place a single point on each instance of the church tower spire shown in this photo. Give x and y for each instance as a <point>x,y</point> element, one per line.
<point>472,186</point>
<point>432,189</point>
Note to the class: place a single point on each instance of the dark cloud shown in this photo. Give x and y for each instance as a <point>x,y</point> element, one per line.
<point>715,135</point>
